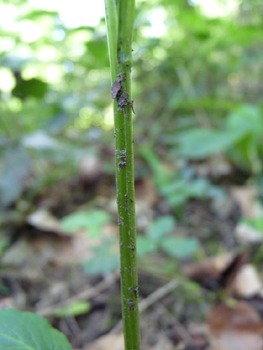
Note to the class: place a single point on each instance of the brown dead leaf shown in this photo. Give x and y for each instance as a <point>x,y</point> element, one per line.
<point>214,273</point>
<point>199,335</point>
<point>146,198</point>
<point>90,169</point>
<point>145,189</point>
<point>20,255</point>
<point>81,247</point>
<point>109,341</point>
<point>162,343</point>
<point>245,197</point>
<point>247,234</point>
<point>246,283</point>
<point>235,328</point>
<point>6,303</point>
<point>43,220</point>
<point>216,166</point>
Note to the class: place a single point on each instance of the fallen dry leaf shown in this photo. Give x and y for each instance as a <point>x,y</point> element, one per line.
<point>247,234</point>
<point>43,220</point>
<point>215,273</point>
<point>246,283</point>
<point>235,328</point>
<point>199,334</point>
<point>109,341</point>
<point>6,303</point>
<point>162,343</point>
<point>216,166</point>
<point>90,168</point>
<point>146,190</point>
<point>245,197</point>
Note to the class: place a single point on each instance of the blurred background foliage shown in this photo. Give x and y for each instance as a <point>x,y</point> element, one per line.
<point>196,85</point>
<point>198,134</point>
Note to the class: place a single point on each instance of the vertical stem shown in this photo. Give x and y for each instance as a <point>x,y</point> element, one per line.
<point>120,51</point>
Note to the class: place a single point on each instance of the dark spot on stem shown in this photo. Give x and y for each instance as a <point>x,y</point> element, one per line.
<point>122,156</point>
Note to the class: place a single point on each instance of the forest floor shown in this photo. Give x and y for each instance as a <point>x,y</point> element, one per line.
<point>41,270</point>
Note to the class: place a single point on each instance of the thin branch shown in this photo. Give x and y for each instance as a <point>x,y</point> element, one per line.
<point>88,293</point>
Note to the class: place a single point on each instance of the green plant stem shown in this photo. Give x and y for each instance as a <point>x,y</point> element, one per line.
<point>120,15</point>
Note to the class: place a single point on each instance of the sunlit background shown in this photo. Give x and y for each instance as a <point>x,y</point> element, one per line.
<point>198,147</point>
<point>194,63</point>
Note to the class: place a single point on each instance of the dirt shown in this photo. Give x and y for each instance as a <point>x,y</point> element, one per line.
<point>33,279</point>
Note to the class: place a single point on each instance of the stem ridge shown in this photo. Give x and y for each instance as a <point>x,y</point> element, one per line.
<point>120,19</point>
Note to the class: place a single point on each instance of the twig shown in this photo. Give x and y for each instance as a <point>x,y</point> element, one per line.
<point>89,293</point>
<point>158,294</point>
<point>150,300</point>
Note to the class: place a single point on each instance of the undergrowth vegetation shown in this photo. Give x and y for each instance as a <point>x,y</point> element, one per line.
<point>198,126</point>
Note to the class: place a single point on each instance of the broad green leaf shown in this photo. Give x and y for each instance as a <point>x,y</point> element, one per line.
<point>180,247</point>
<point>202,143</point>
<point>36,14</point>
<point>246,153</point>
<point>161,227</point>
<point>179,191</point>
<point>256,223</point>
<point>27,331</point>
<point>74,309</point>
<point>97,53</point>
<point>145,245</point>
<point>91,221</point>
<point>247,118</point>
<point>15,168</point>
<point>30,88</point>
<point>106,260</point>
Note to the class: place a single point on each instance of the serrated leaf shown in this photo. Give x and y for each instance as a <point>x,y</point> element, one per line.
<point>180,247</point>
<point>27,331</point>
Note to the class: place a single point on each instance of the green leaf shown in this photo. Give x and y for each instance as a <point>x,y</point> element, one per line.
<point>256,223</point>
<point>179,191</point>
<point>30,88</point>
<point>74,309</point>
<point>180,247</point>
<point>91,221</point>
<point>202,143</point>
<point>16,169</point>
<point>97,53</point>
<point>247,152</point>
<point>4,242</point>
<point>36,14</point>
<point>161,227</point>
<point>145,245</point>
<point>247,118</point>
<point>26,331</point>
<point>106,260</point>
